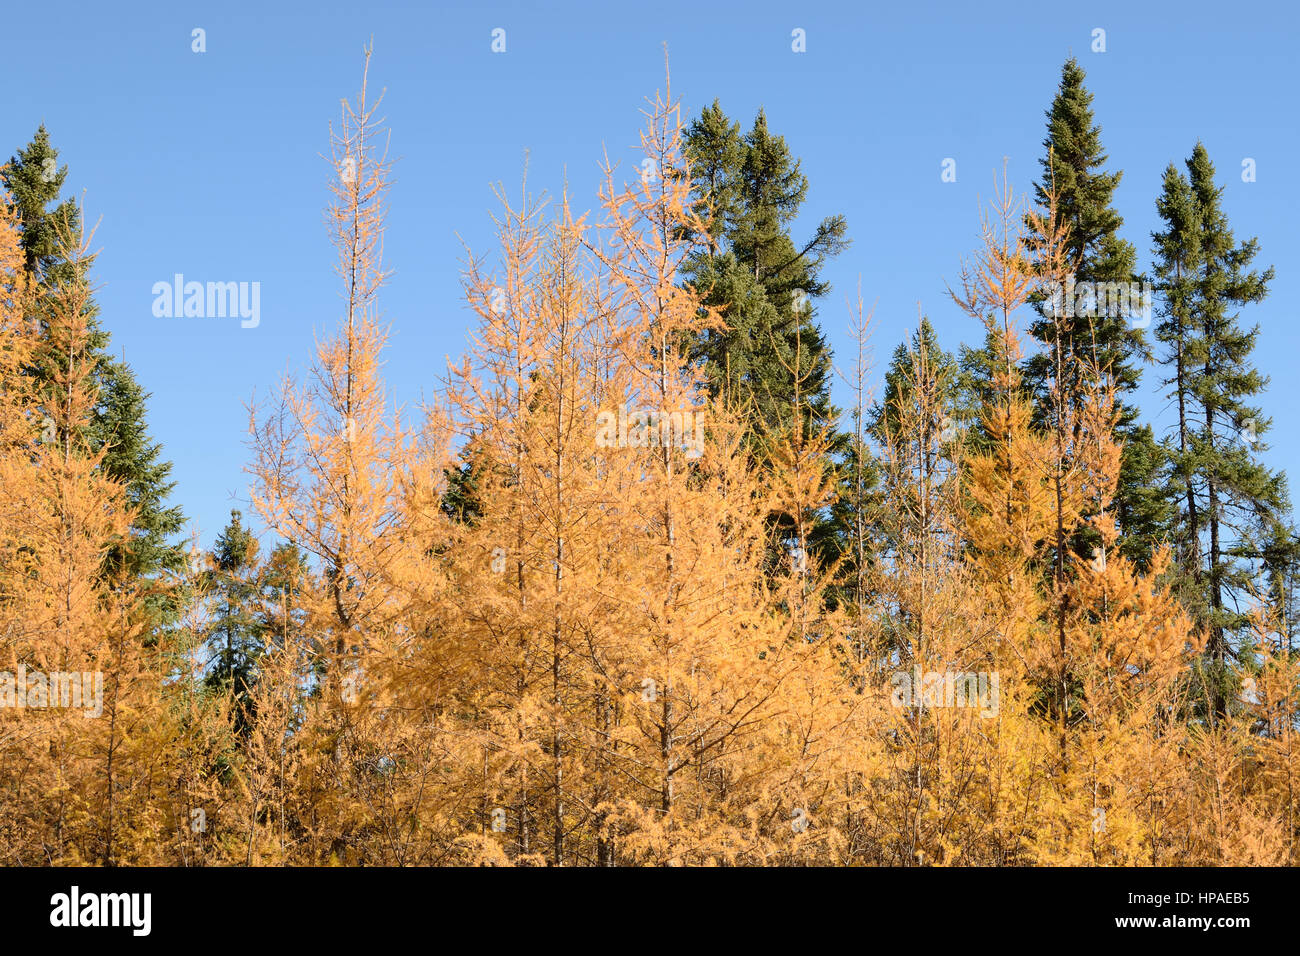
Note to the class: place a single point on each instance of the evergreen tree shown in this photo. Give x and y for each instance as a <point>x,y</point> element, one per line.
<point>133,458</point>
<point>116,427</point>
<point>914,428</point>
<point>461,501</point>
<point>1177,253</point>
<point>1143,509</point>
<point>34,181</point>
<point>749,189</point>
<point>1204,276</point>
<point>1092,336</point>
<point>770,356</point>
<point>235,637</point>
<point>1280,552</point>
<point>975,383</point>
<point>280,582</point>
<point>942,376</point>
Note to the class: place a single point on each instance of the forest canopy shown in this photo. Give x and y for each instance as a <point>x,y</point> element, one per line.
<point>629,588</point>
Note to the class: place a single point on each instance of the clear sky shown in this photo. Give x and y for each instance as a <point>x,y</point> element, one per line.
<point>209,164</point>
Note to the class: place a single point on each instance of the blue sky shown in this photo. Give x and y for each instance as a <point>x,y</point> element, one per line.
<point>209,164</point>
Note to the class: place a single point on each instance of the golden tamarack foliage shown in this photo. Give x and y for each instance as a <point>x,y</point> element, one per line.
<point>537,623</point>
